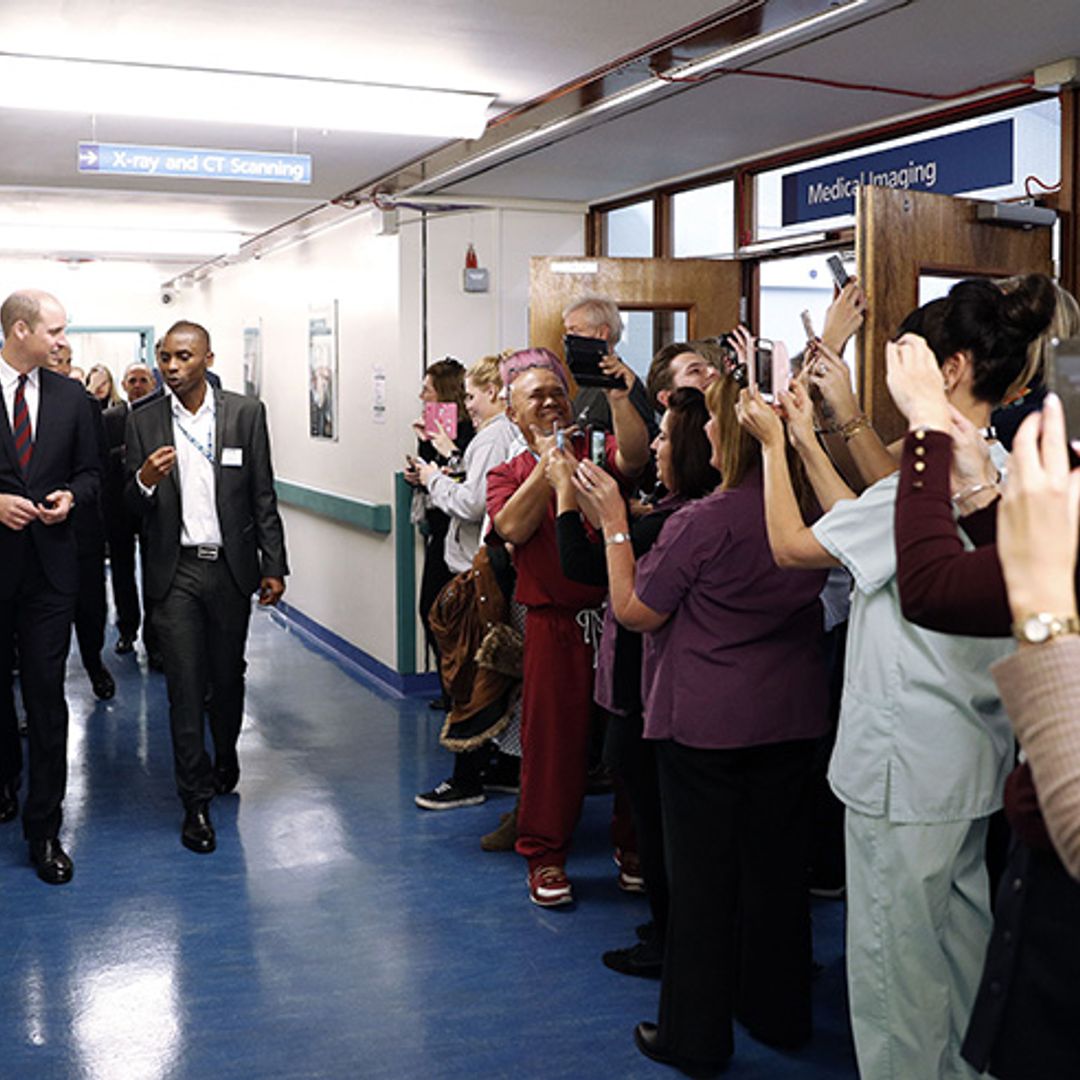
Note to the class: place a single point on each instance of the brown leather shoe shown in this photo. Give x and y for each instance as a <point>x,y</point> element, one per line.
<point>505,836</point>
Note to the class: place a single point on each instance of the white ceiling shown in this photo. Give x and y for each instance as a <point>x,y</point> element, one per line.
<point>515,49</point>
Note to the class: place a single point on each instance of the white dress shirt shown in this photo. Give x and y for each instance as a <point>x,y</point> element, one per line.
<point>193,437</point>
<point>9,381</point>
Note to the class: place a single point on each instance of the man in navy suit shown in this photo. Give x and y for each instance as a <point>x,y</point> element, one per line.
<point>199,474</point>
<point>48,465</point>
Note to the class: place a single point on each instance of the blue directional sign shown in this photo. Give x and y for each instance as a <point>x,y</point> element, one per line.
<point>192,163</point>
<point>970,160</point>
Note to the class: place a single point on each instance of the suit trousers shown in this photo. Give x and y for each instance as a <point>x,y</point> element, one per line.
<point>91,607</point>
<point>41,618</point>
<point>122,533</point>
<point>556,708</point>
<point>201,625</point>
<point>738,933</point>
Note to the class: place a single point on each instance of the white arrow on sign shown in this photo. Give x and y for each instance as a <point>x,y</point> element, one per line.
<point>87,157</point>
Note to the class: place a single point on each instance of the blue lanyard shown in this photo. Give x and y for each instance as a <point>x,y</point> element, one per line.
<point>207,452</point>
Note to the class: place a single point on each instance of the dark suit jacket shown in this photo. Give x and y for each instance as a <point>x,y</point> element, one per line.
<point>65,456</point>
<point>251,531</point>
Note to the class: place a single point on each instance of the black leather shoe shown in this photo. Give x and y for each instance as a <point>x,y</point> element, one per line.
<point>226,773</point>
<point>646,1037</point>
<point>645,959</point>
<point>124,645</point>
<point>9,801</point>
<point>102,682</point>
<point>197,833</point>
<point>52,863</point>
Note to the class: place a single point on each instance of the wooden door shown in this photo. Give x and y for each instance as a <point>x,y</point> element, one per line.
<point>901,236</point>
<point>708,290</point>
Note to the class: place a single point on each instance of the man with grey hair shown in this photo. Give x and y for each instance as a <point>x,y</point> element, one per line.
<point>599,317</point>
<point>48,466</point>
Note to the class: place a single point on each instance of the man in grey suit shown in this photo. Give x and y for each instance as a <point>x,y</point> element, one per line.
<point>199,473</point>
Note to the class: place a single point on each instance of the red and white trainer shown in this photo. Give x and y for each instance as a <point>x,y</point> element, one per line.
<point>631,879</point>
<point>549,886</point>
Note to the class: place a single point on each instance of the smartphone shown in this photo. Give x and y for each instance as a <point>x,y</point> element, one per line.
<point>440,412</point>
<point>808,326</point>
<point>583,356</point>
<point>1063,377</point>
<point>598,447</point>
<point>839,273</point>
<point>761,369</point>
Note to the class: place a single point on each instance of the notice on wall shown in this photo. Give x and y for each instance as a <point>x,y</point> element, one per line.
<point>969,160</point>
<point>378,393</point>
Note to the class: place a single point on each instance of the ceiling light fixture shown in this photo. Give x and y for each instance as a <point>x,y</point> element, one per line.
<point>60,240</point>
<point>173,93</point>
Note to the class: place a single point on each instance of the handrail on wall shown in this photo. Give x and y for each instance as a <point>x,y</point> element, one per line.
<point>375,517</point>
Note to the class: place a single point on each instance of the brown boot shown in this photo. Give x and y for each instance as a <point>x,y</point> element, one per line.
<point>502,838</point>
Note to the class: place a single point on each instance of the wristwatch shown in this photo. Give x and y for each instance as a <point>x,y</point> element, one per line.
<point>1042,627</point>
<point>618,538</point>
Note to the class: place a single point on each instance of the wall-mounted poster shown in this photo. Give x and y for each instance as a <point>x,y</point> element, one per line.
<point>323,370</point>
<point>253,358</point>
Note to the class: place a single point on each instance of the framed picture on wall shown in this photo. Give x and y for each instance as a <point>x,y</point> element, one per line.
<point>253,358</point>
<point>323,371</point>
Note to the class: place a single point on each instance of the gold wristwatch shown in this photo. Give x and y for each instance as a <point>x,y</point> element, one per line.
<point>1041,627</point>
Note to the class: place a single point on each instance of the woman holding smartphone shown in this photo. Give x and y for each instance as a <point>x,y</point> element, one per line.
<point>685,470</point>
<point>444,381</point>
<point>463,503</point>
<point>735,700</point>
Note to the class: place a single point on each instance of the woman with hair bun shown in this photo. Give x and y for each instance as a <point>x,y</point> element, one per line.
<point>924,744</point>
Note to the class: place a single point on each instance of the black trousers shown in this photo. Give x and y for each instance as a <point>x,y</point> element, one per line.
<point>1023,1024</point>
<point>201,626</point>
<point>91,608</point>
<point>738,934</point>
<point>122,533</point>
<point>41,619</point>
<point>634,760</point>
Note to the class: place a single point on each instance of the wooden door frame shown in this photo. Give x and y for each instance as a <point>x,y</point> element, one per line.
<point>901,235</point>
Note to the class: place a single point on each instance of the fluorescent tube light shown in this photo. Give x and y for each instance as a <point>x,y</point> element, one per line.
<point>95,240</point>
<point>798,30</point>
<point>171,93</point>
<point>748,51</point>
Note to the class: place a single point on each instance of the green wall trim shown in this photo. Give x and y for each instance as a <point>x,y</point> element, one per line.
<point>405,561</point>
<point>375,517</point>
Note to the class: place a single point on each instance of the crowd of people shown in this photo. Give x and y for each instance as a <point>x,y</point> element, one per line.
<point>83,472</point>
<point>775,592</point>
<point>797,656</point>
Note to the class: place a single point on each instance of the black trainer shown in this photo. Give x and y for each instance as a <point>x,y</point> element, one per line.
<point>449,796</point>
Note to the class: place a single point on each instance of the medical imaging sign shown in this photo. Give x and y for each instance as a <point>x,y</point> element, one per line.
<point>191,163</point>
<point>970,160</point>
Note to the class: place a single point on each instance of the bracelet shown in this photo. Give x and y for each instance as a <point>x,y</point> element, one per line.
<point>854,426</point>
<point>968,492</point>
<point>617,538</point>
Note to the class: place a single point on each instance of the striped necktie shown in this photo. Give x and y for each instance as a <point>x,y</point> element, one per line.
<point>24,443</point>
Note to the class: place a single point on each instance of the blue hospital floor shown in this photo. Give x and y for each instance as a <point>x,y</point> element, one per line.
<point>337,932</point>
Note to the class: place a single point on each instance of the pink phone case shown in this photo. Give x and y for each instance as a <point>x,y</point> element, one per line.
<point>440,412</point>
